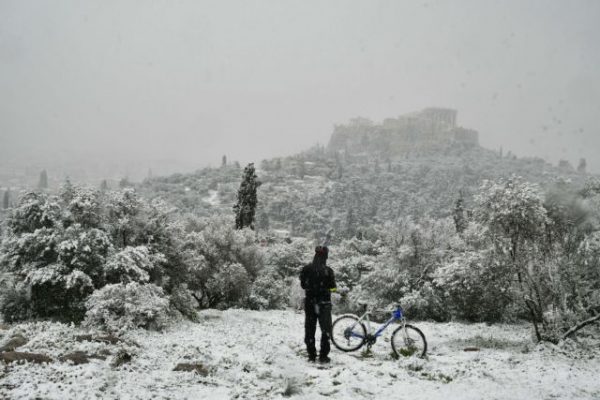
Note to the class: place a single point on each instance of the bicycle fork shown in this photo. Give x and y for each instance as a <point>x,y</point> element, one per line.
<point>408,341</point>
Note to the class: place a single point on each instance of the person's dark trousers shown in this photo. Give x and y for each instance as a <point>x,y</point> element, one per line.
<point>310,327</point>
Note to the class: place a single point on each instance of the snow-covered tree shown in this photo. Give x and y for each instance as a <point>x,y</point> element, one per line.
<point>6,199</point>
<point>124,183</point>
<point>35,211</point>
<point>460,219</point>
<point>474,285</point>
<point>212,250</point>
<point>408,256</point>
<point>123,210</point>
<point>581,168</point>
<point>43,181</point>
<point>514,212</point>
<point>245,207</point>
<point>83,206</point>
<point>58,250</point>
<point>269,291</point>
<point>228,286</point>
<point>132,264</point>
<point>46,259</point>
<point>301,168</point>
<point>67,191</point>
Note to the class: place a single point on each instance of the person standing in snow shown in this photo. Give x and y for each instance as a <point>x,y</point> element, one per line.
<point>318,281</point>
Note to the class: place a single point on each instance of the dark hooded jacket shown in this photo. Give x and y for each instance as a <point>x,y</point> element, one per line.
<point>317,279</point>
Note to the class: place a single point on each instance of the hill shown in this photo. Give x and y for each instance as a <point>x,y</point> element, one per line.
<point>415,165</point>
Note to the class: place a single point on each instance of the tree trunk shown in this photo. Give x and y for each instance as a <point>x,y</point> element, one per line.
<point>533,319</point>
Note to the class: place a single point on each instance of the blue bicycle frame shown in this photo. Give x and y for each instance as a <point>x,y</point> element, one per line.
<point>396,316</point>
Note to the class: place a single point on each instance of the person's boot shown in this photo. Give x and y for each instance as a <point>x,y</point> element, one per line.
<point>324,359</point>
<point>312,357</point>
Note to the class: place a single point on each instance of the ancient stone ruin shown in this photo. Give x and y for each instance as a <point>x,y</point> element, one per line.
<point>429,129</point>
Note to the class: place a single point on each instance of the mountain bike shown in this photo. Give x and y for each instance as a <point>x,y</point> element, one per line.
<point>349,333</point>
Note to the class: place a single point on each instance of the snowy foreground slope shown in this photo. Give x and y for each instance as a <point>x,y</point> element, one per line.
<point>250,355</point>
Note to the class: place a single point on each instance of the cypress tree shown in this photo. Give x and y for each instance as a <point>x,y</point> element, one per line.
<point>301,169</point>
<point>581,168</point>
<point>460,221</point>
<point>339,171</point>
<point>350,223</point>
<point>6,200</point>
<point>43,183</point>
<point>124,183</point>
<point>245,208</point>
<point>67,192</point>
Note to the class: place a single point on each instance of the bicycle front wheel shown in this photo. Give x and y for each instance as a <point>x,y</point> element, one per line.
<point>409,341</point>
<point>348,333</point>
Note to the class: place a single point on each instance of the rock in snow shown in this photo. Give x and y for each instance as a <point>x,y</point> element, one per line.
<point>192,367</point>
<point>16,341</point>
<point>15,356</point>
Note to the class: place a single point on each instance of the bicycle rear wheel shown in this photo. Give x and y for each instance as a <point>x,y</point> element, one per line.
<point>409,342</point>
<point>348,333</point>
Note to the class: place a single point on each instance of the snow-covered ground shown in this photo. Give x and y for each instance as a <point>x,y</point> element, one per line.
<point>255,355</point>
<point>213,198</point>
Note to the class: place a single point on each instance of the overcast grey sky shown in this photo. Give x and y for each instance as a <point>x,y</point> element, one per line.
<point>253,79</point>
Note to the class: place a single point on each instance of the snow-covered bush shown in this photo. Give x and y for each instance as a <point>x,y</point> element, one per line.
<point>30,254</point>
<point>287,259</point>
<point>85,250</point>
<point>132,264</point>
<point>269,291</point>
<point>474,286</point>
<point>514,213</point>
<point>426,302</point>
<point>539,252</point>
<point>227,287</point>
<point>123,210</point>
<point>403,266</point>
<point>183,300</point>
<point>57,250</point>
<point>15,304</point>
<point>575,285</point>
<point>221,262</point>
<point>83,206</point>
<point>122,306</point>
<point>219,243</point>
<point>353,259</point>
<point>35,211</point>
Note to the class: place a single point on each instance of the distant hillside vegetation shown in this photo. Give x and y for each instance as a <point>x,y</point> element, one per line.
<point>369,174</point>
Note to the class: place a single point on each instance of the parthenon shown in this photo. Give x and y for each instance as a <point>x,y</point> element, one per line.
<point>428,129</point>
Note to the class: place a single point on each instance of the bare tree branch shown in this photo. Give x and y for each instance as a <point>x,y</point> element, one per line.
<point>580,326</point>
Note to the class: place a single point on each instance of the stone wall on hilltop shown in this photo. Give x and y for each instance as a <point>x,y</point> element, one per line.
<point>429,129</point>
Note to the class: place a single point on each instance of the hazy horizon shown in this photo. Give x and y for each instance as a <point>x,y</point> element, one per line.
<point>132,81</point>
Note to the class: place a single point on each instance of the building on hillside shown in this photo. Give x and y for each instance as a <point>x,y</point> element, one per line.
<point>429,129</point>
